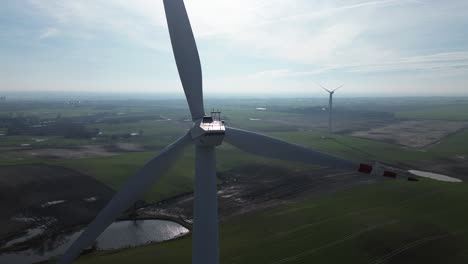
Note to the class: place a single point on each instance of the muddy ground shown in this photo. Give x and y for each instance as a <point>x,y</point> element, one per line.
<point>410,133</point>
<point>61,199</point>
<point>314,123</point>
<point>44,195</point>
<point>413,133</point>
<point>252,187</point>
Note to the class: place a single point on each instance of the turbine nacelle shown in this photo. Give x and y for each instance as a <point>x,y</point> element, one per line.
<point>208,131</point>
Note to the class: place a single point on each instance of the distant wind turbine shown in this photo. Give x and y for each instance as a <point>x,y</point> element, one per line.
<point>330,106</point>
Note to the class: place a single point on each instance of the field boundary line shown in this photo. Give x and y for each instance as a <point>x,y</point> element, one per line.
<point>333,243</point>
<point>412,245</point>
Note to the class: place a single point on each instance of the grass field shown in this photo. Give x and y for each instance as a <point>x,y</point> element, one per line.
<point>114,170</point>
<point>42,141</point>
<point>390,222</point>
<point>155,133</point>
<point>448,112</point>
<point>359,148</point>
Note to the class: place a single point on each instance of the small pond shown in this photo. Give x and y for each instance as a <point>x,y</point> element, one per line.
<point>120,234</point>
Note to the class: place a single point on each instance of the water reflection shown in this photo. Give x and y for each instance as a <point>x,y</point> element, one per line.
<point>120,234</point>
<point>133,233</point>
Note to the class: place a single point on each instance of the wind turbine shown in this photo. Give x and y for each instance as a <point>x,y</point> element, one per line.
<point>206,133</point>
<point>330,106</point>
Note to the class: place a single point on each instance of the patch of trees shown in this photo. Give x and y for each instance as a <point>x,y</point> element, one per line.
<point>112,118</point>
<point>128,119</point>
<point>56,127</point>
<point>17,124</point>
<point>126,135</point>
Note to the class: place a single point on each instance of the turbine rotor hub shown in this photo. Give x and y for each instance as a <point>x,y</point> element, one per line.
<point>209,130</point>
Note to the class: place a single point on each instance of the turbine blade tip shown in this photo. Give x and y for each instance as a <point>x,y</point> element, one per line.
<point>365,168</point>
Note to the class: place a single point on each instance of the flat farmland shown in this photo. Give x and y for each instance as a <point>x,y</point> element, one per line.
<point>302,212</point>
<point>388,222</point>
<point>413,133</point>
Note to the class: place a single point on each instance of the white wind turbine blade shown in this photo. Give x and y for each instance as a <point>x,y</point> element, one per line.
<point>269,147</point>
<point>186,55</point>
<point>323,87</point>
<point>434,176</point>
<point>337,88</point>
<point>134,188</point>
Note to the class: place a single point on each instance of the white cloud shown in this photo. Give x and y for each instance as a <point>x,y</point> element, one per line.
<point>317,37</point>
<point>307,32</point>
<point>438,61</point>
<point>135,21</point>
<point>48,33</point>
<point>451,62</point>
<point>281,73</point>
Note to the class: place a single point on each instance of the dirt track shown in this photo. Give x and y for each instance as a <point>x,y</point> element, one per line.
<point>252,187</point>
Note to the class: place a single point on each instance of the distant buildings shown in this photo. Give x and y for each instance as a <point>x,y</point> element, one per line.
<point>73,102</point>
<point>2,98</point>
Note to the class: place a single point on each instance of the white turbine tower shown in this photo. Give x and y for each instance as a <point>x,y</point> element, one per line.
<point>206,133</point>
<point>330,106</point>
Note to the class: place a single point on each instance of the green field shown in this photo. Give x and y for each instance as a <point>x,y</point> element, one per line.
<point>448,112</point>
<point>405,222</point>
<point>359,148</point>
<point>389,222</point>
<point>114,170</point>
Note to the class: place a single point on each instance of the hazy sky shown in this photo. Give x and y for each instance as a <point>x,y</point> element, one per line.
<point>389,47</point>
